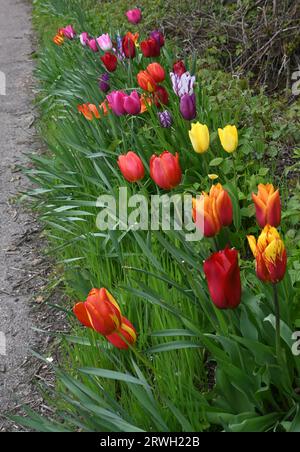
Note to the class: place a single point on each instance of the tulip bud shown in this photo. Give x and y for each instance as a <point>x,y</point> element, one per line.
<point>100,312</point>
<point>199,136</point>
<point>89,111</point>
<point>267,205</point>
<point>131,166</point>
<point>165,170</point>
<point>270,255</point>
<point>134,16</point>
<point>58,39</point>
<point>146,82</point>
<point>92,44</point>
<point>179,68</point>
<point>157,72</point>
<point>68,32</point>
<point>224,206</point>
<point>84,38</point>
<point>165,119</point>
<point>223,277</point>
<point>104,82</point>
<point>188,106</point>
<point>229,138</point>
<point>110,61</point>
<point>125,336</point>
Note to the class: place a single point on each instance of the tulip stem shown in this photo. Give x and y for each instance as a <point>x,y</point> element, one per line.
<point>277,316</point>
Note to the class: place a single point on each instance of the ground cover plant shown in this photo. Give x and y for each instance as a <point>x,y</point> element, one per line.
<point>168,333</point>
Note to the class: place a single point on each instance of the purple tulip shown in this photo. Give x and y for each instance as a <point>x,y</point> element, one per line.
<point>165,119</point>
<point>132,103</point>
<point>104,82</point>
<point>158,36</point>
<point>188,106</point>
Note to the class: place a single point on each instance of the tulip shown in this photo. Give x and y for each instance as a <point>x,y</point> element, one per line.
<point>146,82</point>
<point>161,96</point>
<point>125,336</point>
<point>69,32</point>
<point>179,68</point>
<point>131,166</point>
<point>116,102</point>
<point>183,84</point>
<point>100,312</point>
<point>270,254</point>
<point>165,170</point>
<point>212,211</point>
<point>165,119</point>
<point>188,106</point>
<point>128,46</point>
<point>92,44</point>
<point>157,72</point>
<point>132,104</point>
<point>104,82</point>
<point>134,15</point>
<point>199,136</point>
<point>267,205</point>
<point>84,38</point>
<point>158,36</point>
<point>104,107</point>
<point>223,277</point>
<point>229,138</point>
<point>110,61</point>
<point>104,42</point>
<point>89,111</point>
<point>145,103</point>
<point>58,39</point>
<point>150,48</point>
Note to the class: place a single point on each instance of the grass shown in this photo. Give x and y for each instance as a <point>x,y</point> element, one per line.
<point>162,384</point>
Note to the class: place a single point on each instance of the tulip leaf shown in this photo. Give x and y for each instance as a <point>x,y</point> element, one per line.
<point>216,162</point>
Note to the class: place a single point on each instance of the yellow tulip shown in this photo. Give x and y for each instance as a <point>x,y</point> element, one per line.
<point>199,136</point>
<point>229,138</point>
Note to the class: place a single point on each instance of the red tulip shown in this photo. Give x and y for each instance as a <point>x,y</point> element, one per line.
<point>267,205</point>
<point>128,46</point>
<point>146,82</point>
<point>161,96</point>
<point>165,170</point>
<point>223,277</point>
<point>125,335</point>
<point>131,167</point>
<point>157,72</point>
<point>179,68</point>
<point>150,48</point>
<point>110,61</point>
<point>100,312</point>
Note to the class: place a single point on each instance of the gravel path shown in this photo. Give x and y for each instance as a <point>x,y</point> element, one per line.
<point>23,272</point>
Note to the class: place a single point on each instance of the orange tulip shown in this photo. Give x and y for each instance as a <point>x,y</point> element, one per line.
<point>146,82</point>
<point>267,205</point>
<point>157,72</point>
<point>89,111</point>
<point>270,254</point>
<point>212,211</point>
<point>100,312</point>
<point>58,39</point>
<point>124,336</point>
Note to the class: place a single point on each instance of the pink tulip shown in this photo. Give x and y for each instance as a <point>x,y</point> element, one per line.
<point>104,42</point>
<point>84,38</point>
<point>134,15</point>
<point>69,32</point>
<point>132,103</point>
<point>92,43</point>
<point>116,102</point>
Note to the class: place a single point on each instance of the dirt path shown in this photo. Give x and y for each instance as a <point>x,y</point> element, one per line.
<point>23,272</point>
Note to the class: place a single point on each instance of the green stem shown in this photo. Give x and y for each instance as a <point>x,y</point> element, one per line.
<point>277,316</point>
